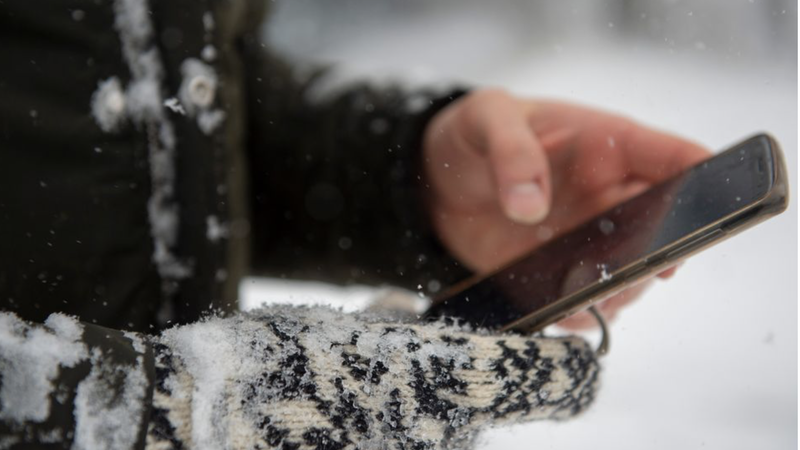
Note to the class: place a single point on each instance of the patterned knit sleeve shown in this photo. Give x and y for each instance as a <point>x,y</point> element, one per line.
<point>314,378</point>
<point>282,377</point>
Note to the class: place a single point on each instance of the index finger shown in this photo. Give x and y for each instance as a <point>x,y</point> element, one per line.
<point>654,156</point>
<point>642,152</point>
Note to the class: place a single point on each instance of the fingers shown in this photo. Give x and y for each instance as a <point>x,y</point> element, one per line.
<point>621,146</point>
<point>520,170</point>
<point>609,308</point>
<point>669,273</point>
<point>654,156</point>
<point>496,126</point>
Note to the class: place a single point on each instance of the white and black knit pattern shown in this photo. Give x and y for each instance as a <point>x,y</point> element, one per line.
<point>314,378</point>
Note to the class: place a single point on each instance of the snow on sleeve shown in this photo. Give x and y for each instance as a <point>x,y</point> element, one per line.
<point>136,341</point>
<point>314,377</point>
<point>109,405</point>
<point>209,352</point>
<point>30,360</point>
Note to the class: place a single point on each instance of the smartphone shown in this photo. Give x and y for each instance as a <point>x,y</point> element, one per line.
<point>627,244</point>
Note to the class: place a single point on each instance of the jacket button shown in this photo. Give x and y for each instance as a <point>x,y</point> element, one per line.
<point>201,91</point>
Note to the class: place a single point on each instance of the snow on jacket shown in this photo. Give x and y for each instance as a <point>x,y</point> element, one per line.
<point>153,153</point>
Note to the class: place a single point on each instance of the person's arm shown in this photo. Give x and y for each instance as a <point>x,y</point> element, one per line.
<point>508,174</point>
<point>67,384</point>
<point>280,377</point>
<point>336,181</point>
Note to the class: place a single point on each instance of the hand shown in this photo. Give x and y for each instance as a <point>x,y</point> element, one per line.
<point>508,174</point>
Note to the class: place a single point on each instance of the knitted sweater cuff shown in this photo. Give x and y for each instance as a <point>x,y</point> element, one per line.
<point>298,378</point>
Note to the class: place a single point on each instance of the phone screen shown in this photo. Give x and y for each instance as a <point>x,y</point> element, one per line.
<point>625,235</point>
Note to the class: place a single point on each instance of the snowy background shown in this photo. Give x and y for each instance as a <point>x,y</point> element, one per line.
<point>706,360</point>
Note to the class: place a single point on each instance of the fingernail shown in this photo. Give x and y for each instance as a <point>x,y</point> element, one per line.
<point>525,203</point>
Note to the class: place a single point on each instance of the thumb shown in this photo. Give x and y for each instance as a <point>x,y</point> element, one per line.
<point>522,174</point>
<point>518,162</point>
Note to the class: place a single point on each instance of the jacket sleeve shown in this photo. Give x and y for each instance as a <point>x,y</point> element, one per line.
<point>280,377</point>
<point>336,180</point>
<point>67,384</point>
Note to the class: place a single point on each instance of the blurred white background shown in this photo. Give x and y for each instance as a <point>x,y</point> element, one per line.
<point>706,360</point>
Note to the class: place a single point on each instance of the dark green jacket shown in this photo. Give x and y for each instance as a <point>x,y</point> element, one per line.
<point>152,155</point>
